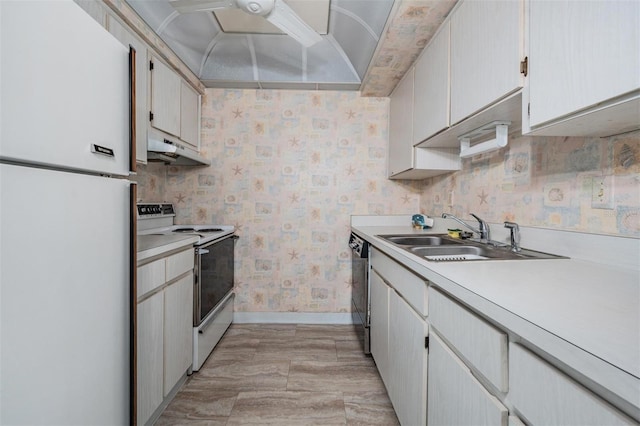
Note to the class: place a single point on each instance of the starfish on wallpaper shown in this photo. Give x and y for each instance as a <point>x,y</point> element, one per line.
<point>406,199</point>
<point>180,198</point>
<point>350,114</point>
<point>294,141</point>
<point>483,197</point>
<point>237,170</point>
<point>351,170</point>
<point>238,226</point>
<point>294,198</point>
<point>293,254</point>
<point>237,113</point>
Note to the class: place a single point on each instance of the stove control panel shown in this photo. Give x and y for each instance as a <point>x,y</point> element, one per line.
<point>154,210</point>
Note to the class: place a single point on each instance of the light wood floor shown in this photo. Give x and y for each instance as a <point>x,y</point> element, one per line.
<point>284,374</point>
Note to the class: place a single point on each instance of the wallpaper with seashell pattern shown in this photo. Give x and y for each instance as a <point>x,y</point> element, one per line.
<point>290,167</point>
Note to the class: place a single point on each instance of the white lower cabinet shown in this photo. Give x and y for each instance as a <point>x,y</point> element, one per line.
<point>543,395</point>
<point>164,330</point>
<point>456,397</point>
<point>150,356</point>
<point>407,384</point>
<point>379,326</point>
<point>475,370</point>
<point>398,335</point>
<point>483,346</point>
<point>178,331</point>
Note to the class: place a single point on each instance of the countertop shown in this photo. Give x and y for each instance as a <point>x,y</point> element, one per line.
<point>154,245</point>
<point>583,314</point>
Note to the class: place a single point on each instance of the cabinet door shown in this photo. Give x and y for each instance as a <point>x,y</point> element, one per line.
<point>142,109</point>
<point>379,325</point>
<point>150,356</point>
<point>165,98</point>
<point>408,362</point>
<point>483,346</point>
<point>486,50</point>
<point>401,126</point>
<point>431,99</point>
<point>546,396</point>
<point>581,53</point>
<point>189,116</point>
<point>455,396</point>
<point>178,331</point>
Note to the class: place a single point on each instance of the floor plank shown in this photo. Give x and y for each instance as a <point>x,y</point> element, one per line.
<point>284,374</point>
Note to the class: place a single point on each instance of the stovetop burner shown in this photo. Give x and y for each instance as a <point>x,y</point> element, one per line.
<point>204,230</point>
<point>184,230</point>
<point>157,219</point>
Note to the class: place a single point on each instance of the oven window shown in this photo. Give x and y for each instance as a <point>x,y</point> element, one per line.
<point>216,275</point>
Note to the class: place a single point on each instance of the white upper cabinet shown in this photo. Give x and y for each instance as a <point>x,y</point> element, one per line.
<point>175,106</point>
<point>486,50</point>
<point>189,116</point>
<point>165,98</point>
<point>431,88</point>
<point>405,160</point>
<point>401,126</point>
<point>584,68</point>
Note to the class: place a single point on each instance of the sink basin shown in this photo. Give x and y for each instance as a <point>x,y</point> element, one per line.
<point>419,240</point>
<point>453,253</point>
<point>477,252</point>
<point>442,248</point>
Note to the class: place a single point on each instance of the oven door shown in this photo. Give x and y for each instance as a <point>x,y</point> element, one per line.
<point>213,277</point>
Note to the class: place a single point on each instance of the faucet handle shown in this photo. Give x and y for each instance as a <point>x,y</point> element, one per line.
<point>483,227</point>
<point>515,235</point>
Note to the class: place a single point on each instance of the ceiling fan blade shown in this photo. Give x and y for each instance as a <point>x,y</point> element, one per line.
<point>190,6</point>
<point>283,17</point>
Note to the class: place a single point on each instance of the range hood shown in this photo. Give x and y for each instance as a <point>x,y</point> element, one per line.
<point>169,152</point>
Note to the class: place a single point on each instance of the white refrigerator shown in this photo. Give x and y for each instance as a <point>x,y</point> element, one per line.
<point>67,257</point>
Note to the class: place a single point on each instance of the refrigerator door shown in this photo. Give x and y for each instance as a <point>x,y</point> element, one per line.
<point>64,298</point>
<point>65,88</point>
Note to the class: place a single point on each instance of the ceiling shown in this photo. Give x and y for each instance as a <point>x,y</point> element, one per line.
<point>369,45</point>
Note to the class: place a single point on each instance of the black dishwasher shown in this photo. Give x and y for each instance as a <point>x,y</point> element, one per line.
<point>360,288</point>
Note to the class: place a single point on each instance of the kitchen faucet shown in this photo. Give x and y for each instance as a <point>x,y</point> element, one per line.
<point>483,228</point>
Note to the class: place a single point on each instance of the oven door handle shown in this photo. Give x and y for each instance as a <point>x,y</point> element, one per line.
<point>200,251</point>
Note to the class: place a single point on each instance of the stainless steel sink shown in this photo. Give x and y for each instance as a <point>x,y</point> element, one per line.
<point>451,253</point>
<point>442,248</point>
<point>420,240</point>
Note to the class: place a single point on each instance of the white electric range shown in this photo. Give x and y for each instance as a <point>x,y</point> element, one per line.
<point>213,273</point>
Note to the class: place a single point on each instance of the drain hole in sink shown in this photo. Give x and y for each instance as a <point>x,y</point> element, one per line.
<point>449,258</point>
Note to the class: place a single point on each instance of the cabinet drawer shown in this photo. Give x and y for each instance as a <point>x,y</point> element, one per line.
<point>483,346</point>
<point>179,263</point>
<point>150,276</point>
<point>412,287</point>
<point>543,395</point>
<point>455,397</point>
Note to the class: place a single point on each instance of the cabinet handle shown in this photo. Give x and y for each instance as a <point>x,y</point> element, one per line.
<point>524,66</point>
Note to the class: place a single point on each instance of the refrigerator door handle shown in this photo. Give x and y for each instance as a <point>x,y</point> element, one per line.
<point>97,149</point>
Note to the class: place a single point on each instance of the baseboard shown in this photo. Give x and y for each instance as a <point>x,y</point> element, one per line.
<point>292,318</point>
